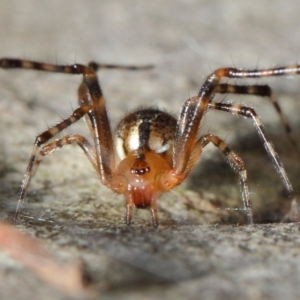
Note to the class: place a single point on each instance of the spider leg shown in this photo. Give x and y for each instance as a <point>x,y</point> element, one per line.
<point>92,107</point>
<point>129,206</point>
<point>188,125</point>
<point>216,76</point>
<point>49,148</point>
<point>83,99</point>
<point>42,139</point>
<point>256,90</point>
<point>192,113</point>
<point>81,141</point>
<point>257,73</point>
<point>249,112</point>
<point>235,162</point>
<point>154,216</point>
<point>95,66</point>
<point>153,210</point>
<point>98,115</point>
<point>207,92</point>
<point>212,84</point>
<point>186,133</point>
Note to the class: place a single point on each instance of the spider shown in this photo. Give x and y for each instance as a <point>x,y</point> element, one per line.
<point>155,152</point>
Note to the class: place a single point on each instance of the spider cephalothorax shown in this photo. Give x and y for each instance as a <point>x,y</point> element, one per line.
<point>151,152</point>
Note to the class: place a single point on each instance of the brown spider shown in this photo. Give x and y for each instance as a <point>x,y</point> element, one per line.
<point>155,152</point>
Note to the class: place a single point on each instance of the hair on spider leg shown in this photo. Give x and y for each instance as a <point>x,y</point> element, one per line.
<point>156,152</point>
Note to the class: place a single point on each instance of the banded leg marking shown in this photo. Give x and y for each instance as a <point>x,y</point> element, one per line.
<point>257,90</point>
<point>39,141</point>
<point>236,164</point>
<point>249,112</point>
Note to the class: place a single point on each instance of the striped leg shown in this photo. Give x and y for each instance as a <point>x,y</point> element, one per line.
<point>212,85</point>
<point>236,164</point>
<point>83,93</point>
<point>257,73</point>
<point>49,148</point>
<point>12,63</point>
<point>92,107</point>
<point>256,90</point>
<point>97,115</point>
<point>44,138</point>
<point>249,112</point>
<point>194,108</point>
<point>190,119</point>
<point>81,141</point>
<point>83,99</point>
<point>97,66</point>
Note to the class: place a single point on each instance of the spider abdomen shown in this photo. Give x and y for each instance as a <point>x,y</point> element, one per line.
<point>149,129</point>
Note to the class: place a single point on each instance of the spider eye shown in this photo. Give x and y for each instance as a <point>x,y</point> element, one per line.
<point>140,168</point>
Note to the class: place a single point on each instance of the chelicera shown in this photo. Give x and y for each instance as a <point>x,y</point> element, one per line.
<point>152,152</point>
